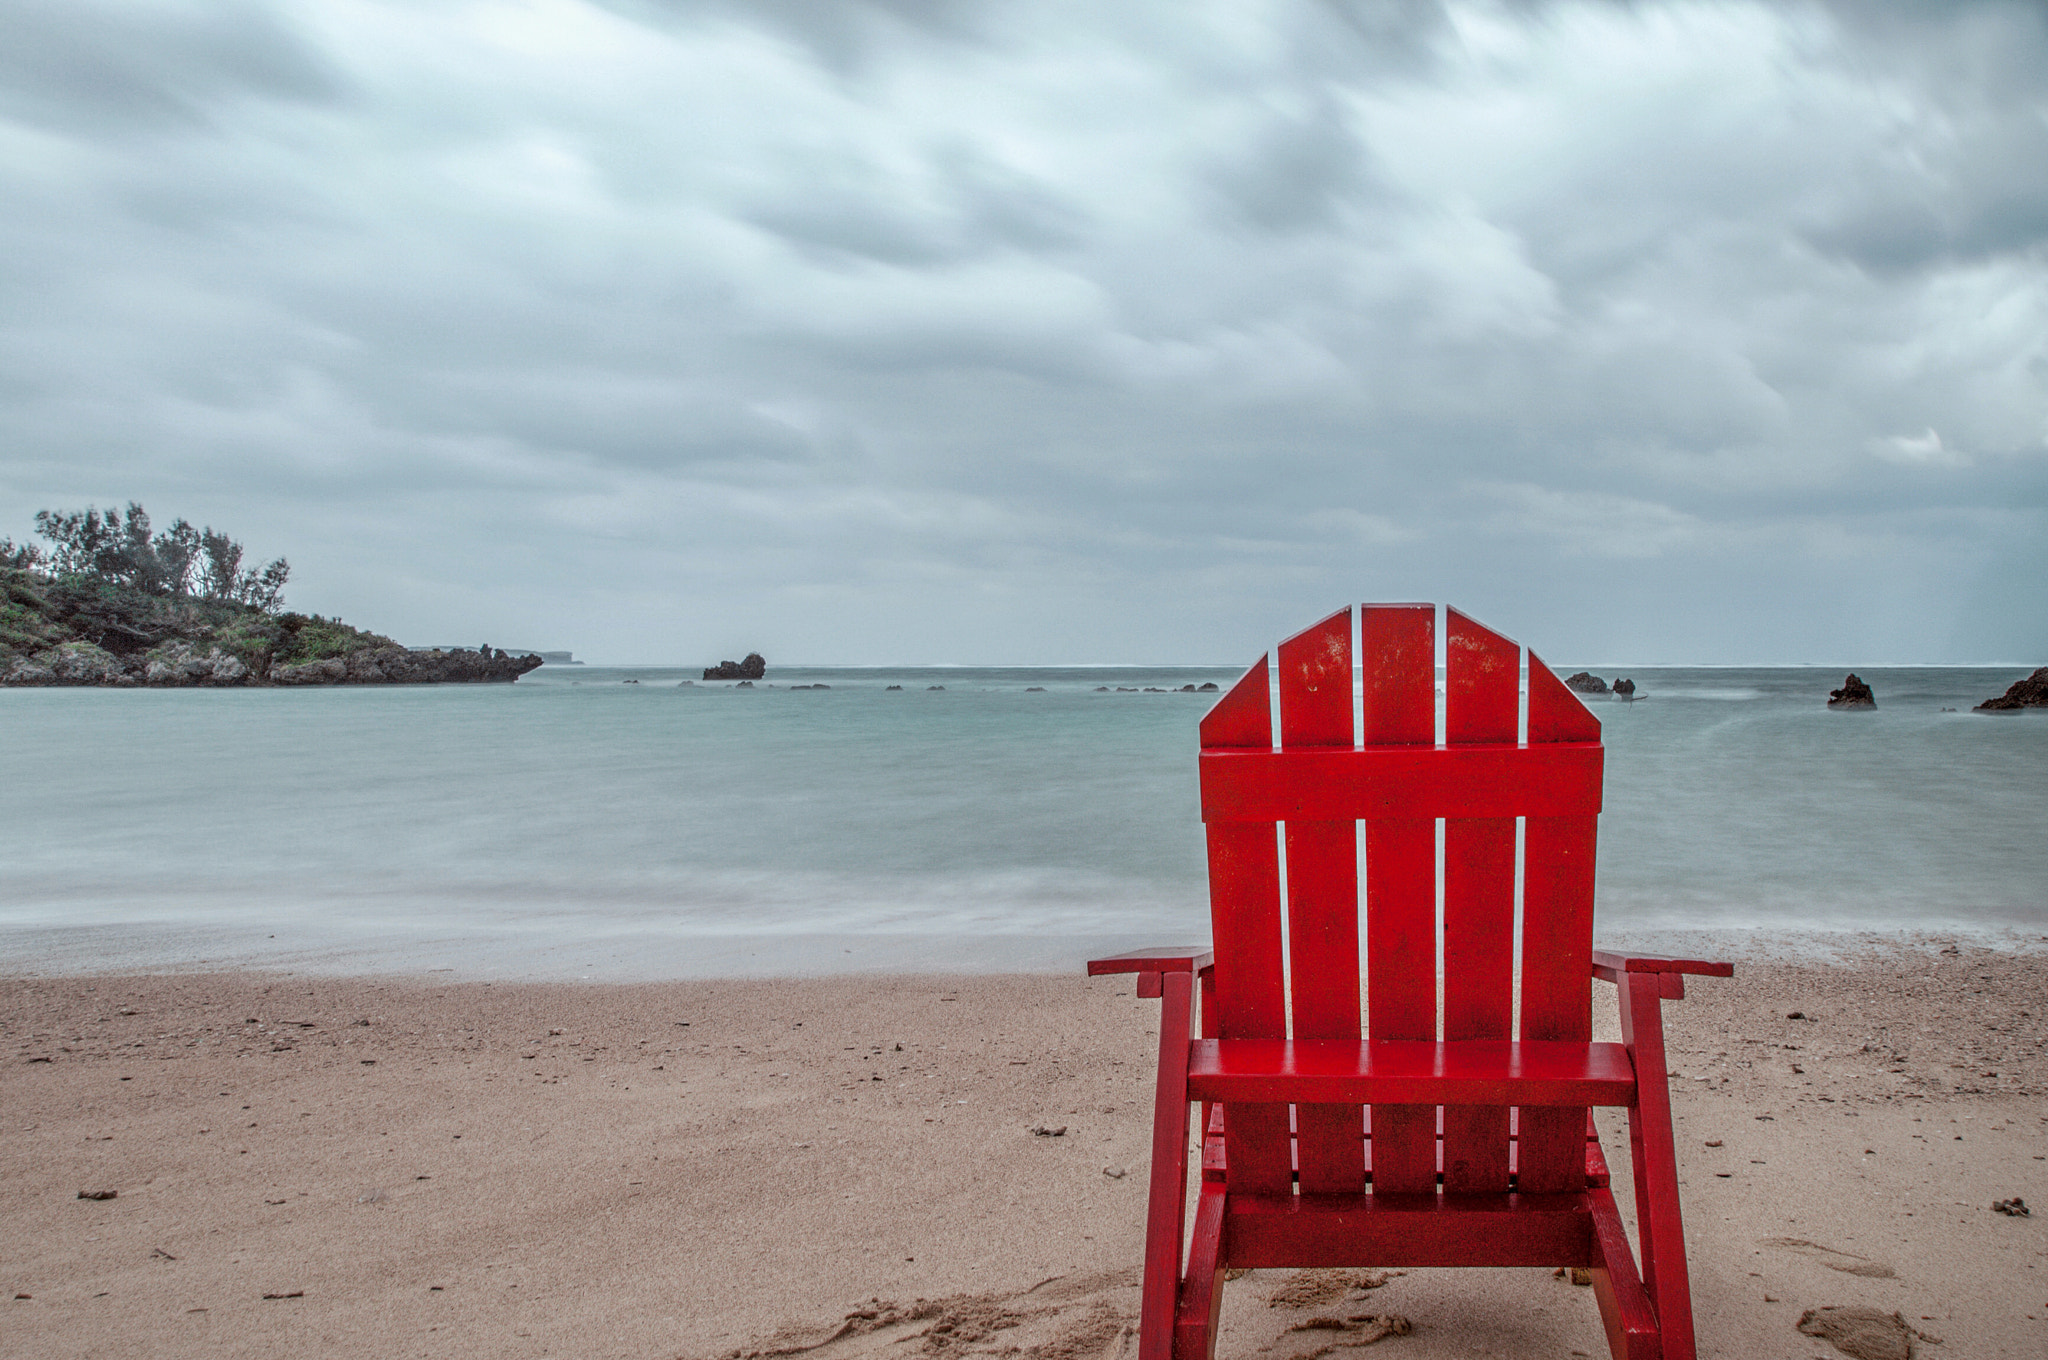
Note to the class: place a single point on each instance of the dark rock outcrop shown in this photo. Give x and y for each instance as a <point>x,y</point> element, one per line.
<point>397,666</point>
<point>2031,692</point>
<point>185,665</point>
<point>1853,694</point>
<point>1585,682</point>
<point>753,668</point>
<point>1624,688</point>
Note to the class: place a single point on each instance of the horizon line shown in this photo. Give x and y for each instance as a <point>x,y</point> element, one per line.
<point>1239,666</point>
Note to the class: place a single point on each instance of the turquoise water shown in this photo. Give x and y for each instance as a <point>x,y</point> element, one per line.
<point>577,825</point>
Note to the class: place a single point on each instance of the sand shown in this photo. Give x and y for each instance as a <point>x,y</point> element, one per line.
<point>364,1167</point>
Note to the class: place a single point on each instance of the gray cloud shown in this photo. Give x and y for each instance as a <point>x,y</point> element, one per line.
<point>1023,332</point>
<point>108,68</point>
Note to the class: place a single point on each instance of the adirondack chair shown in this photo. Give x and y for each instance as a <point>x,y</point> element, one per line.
<point>1460,1141</point>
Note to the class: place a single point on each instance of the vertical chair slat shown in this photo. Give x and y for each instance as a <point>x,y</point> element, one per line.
<point>1482,704</point>
<point>1557,940</point>
<point>1398,643</point>
<point>1244,894</point>
<point>1322,901</point>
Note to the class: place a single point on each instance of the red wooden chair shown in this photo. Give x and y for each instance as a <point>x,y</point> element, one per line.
<point>1460,1141</point>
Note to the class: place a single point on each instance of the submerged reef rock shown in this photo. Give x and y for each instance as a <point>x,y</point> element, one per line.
<point>1853,694</point>
<point>753,668</point>
<point>1624,688</point>
<point>1585,682</point>
<point>2031,692</point>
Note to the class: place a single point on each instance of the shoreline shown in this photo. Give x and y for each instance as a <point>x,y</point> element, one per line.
<point>706,1168</point>
<point>639,958</point>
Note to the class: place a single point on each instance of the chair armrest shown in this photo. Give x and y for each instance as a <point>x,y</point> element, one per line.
<point>1191,958</point>
<point>1606,963</point>
<point>1667,973</point>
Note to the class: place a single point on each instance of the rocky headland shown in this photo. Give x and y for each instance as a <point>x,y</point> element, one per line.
<point>71,630</point>
<point>2031,692</point>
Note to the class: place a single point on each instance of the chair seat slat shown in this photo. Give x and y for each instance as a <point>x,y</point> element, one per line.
<point>1404,1071</point>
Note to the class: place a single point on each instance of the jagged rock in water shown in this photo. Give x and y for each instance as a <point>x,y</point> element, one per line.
<point>2031,692</point>
<point>1624,688</point>
<point>753,668</point>
<point>1585,682</point>
<point>1853,694</point>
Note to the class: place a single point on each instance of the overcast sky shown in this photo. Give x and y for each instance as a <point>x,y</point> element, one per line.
<point>919,331</point>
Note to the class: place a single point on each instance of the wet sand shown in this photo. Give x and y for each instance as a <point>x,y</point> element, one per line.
<point>310,1166</point>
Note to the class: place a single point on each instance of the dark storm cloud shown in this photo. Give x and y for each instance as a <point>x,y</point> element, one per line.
<point>1040,331</point>
<point>106,66</point>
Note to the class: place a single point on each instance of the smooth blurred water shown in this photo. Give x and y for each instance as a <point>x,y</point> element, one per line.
<point>575,824</point>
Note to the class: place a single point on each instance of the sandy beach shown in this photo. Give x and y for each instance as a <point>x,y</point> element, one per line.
<point>376,1167</point>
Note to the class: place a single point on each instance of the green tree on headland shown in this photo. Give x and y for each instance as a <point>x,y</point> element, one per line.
<point>108,595</point>
<point>120,550</point>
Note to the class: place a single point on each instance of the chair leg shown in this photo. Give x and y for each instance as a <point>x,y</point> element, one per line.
<point>1201,1293</point>
<point>1659,1226</point>
<point>1625,1311</point>
<point>1168,1190</point>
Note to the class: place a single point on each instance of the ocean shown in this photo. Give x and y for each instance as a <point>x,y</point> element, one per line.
<point>614,823</point>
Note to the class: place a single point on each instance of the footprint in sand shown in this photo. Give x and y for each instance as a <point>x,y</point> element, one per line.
<point>1863,1333</point>
<point>1848,1262</point>
<point>1076,1317</point>
<point>1314,1288</point>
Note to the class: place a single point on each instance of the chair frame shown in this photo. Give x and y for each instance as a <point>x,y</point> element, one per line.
<point>1508,1114</point>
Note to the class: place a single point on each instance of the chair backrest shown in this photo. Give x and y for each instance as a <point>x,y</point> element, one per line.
<point>1288,962</point>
